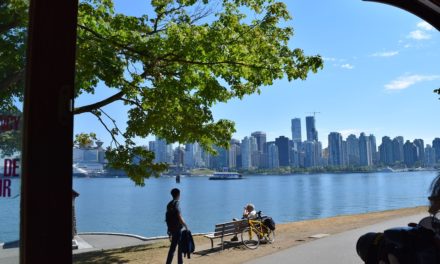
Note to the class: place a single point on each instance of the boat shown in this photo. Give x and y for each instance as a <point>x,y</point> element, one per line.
<point>226,176</point>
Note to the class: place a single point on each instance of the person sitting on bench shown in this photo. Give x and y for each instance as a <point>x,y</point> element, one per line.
<point>248,213</point>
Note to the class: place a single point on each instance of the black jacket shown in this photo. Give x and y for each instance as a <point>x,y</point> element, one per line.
<point>187,243</point>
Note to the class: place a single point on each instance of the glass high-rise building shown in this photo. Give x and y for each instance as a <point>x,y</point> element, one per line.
<point>273,160</point>
<point>163,151</point>
<point>429,155</point>
<point>420,150</point>
<point>386,151</point>
<point>261,140</point>
<point>373,146</point>
<point>398,149</point>
<point>365,153</point>
<point>436,147</point>
<point>312,133</point>
<point>282,143</point>
<point>409,153</point>
<point>296,130</point>
<point>353,150</point>
<point>335,151</point>
<point>246,153</point>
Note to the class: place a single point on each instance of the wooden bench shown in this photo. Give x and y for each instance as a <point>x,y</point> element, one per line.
<point>227,229</point>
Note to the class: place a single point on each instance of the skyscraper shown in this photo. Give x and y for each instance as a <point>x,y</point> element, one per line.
<point>311,153</point>
<point>335,152</point>
<point>272,150</point>
<point>436,147</point>
<point>258,154</point>
<point>386,151</point>
<point>261,140</point>
<point>163,151</point>
<point>233,152</point>
<point>312,133</point>
<point>353,150</point>
<point>246,158</point>
<point>296,130</point>
<point>189,155</point>
<point>282,143</point>
<point>372,139</point>
<point>420,150</point>
<point>409,153</point>
<point>365,154</point>
<point>398,149</point>
<point>429,155</point>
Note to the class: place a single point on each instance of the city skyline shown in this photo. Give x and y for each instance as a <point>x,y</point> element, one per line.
<point>256,152</point>
<point>379,74</point>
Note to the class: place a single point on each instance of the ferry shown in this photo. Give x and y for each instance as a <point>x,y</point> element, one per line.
<point>226,176</point>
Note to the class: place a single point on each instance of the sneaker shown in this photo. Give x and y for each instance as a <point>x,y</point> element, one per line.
<point>235,238</point>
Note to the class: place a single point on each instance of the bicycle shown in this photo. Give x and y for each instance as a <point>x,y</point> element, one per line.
<point>255,232</point>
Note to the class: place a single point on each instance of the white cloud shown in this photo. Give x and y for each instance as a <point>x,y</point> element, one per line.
<point>347,66</point>
<point>419,35</point>
<point>406,81</point>
<point>425,26</point>
<point>385,54</point>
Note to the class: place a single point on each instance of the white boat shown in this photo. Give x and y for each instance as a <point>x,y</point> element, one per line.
<point>91,169</point>
<point>226,176</point>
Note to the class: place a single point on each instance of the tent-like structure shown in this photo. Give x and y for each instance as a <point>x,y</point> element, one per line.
<point>428,10</point>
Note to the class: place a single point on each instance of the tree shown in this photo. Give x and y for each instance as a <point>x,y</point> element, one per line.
<point>171,67</point>
<point>84,140</point>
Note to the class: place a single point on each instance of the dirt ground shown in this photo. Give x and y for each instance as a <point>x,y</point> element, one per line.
<point>287,235</point>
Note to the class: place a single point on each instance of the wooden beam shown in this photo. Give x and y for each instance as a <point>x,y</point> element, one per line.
<point>46,194</point>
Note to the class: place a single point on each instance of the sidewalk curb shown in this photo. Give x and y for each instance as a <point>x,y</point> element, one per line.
<point>131,235</point>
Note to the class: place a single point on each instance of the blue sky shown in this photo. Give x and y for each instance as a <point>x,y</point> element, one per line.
<point>381,66</point>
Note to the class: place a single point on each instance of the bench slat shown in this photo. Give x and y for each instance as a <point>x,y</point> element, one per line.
<point>227,229</point>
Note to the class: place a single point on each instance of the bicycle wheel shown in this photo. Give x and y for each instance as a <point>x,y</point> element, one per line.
<point>250,239</point>
<point>269,236</point>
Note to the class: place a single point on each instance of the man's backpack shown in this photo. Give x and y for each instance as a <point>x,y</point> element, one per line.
<point>268,221</point>
<point>171,217</point>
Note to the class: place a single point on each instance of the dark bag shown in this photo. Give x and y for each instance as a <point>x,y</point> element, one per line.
<point>171,217</point>
<point>268,221</point>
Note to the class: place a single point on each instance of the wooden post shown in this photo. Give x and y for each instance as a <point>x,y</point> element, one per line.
<point>46,194</point>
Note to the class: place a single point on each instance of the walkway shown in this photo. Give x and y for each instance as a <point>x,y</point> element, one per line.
<point>333,249</point>
<point>86,242</point>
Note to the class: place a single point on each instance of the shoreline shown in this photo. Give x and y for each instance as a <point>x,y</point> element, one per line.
<point>287,235</point>
<point>379,170</point>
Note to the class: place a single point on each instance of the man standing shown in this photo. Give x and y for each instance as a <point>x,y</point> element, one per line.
<point>175,223</point>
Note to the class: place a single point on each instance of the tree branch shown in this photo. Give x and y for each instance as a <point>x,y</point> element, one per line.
<point>112,41</point>
<point>10,80</point>
<point>8,26</point>
<point>95,106</point>
<point>216,62</point>
<point>106,127</point>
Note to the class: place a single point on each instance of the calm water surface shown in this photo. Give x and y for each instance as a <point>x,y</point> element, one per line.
<point>116,205</point>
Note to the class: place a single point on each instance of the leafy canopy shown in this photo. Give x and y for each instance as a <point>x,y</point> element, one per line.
<point>171,66</point>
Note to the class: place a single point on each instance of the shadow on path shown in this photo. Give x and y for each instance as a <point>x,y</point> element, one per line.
<point>111,255</point>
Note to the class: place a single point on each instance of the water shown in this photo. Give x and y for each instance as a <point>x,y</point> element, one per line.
<point>116,205</point>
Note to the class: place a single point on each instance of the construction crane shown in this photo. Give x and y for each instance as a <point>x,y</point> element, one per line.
<point>314,113</point>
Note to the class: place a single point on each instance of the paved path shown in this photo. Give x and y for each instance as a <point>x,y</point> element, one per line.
<point>334,249</point>
<point>86,242</point>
